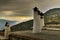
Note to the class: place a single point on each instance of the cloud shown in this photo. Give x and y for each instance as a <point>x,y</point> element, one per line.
<point>17,18</point>
<point>20,7</point>
<point>4,2</point>
<point>25,7</point>
<point>45,5</point>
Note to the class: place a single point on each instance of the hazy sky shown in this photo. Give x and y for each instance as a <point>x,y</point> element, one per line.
<point>16,7</point>
<point>25,7</point>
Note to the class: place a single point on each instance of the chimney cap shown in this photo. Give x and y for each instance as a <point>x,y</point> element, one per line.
<point>6,24</point>
<point>35,9</point>
<point>41,14</point>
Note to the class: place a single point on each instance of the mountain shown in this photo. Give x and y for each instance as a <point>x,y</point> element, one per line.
<point>52,15</point>
<point>23,26</point>
<point>3,21</point>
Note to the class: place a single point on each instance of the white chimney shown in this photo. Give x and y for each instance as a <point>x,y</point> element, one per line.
<point>38,21</point>
<point>7,30</point>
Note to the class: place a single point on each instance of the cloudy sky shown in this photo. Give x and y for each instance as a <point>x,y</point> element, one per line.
<point>10,9</point>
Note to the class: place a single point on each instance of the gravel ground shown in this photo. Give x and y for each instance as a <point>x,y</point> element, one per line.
<point>45,34</point>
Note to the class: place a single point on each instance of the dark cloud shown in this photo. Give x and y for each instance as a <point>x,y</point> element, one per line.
<point>24,7</point>
<point>20,7</point>
<point>4,2</point>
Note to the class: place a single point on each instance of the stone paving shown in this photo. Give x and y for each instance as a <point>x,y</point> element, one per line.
<point>45,34</point>
<point>2,38</point>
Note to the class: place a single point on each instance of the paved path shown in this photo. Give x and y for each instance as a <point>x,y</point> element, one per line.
<point>46,34</point>
<point>2,38</point>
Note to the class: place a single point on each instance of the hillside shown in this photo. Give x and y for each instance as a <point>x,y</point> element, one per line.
<point>52,15</point>
<point>23,26</point>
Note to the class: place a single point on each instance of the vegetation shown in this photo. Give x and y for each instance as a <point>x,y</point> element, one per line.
<point>23,26</point>
<point>52,15</point>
